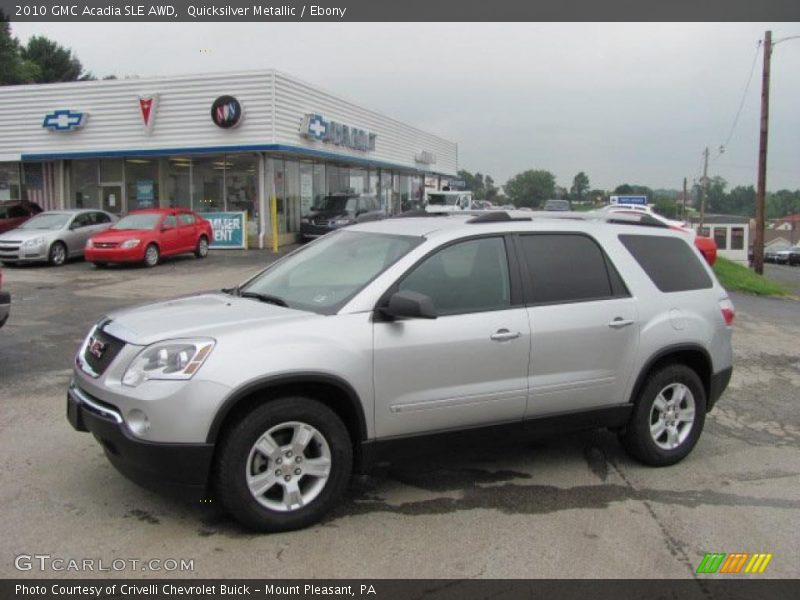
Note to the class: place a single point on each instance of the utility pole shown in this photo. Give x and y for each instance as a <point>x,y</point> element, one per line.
<point>684,198</point>
<point>705,188</point>
<point>761,190</point>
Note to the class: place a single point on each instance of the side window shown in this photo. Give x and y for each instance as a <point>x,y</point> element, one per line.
<point>470,276</point>
<point>16,212</point>
<point>99,218</point>
<point>565,267</point>
<point>186,219</point>
<point>170,221</point>
<point>669,262</point>
<point>81,220</point>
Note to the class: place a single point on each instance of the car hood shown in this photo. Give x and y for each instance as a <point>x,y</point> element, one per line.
<point>20,235</point>
<point>120,235</point>
<point>202,315</point>
<point>330,214</point>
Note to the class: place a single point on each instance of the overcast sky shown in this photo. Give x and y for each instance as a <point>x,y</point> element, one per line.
<point>633,103</point>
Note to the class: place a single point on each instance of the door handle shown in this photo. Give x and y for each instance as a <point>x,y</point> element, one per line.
<point>504,335</point>
<point>619,323</point>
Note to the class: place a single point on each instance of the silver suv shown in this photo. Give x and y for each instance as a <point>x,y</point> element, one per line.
<point>270,394</point>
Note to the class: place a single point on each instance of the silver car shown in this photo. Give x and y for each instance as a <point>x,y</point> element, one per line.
<point>53,236</point>
<point>382,335</point>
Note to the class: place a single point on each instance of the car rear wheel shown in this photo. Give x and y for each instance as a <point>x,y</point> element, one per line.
<point>201,251</point>
<point>151,256</point>
<point>283,465</point>
<point>667,418</point>
<point>58,254</point>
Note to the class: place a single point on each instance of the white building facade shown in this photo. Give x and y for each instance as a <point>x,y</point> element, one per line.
<point>213,143</point>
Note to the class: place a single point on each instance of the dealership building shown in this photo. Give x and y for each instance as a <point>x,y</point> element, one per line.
<point>217,143</point>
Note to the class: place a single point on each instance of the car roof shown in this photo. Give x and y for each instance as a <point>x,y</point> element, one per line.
<point>458,224</point>
<point>160,211</point>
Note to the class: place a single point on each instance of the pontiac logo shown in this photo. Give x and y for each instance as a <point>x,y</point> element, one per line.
<point>96,347</point>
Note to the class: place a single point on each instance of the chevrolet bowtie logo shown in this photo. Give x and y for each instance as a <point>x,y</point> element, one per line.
<point>65,120</point>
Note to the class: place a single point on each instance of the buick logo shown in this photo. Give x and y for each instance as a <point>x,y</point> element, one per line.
<point>96,347</point>
<point>226,112</point>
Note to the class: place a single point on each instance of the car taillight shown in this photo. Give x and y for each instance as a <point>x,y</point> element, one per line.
<point>728,312</point>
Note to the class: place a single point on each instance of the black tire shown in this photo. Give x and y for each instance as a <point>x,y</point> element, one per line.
<point>151,256</point>
<point>638,439</point>
<point>233,460</point>
<point>201,250</point>
<point>58,254</point>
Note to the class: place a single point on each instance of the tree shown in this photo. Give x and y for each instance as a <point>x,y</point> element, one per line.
<point>14,69</point>
<point>531,187</point>
<point>54,62</point>
<point>633,190</point>
<point>491,189</point>
<point>580,183</point>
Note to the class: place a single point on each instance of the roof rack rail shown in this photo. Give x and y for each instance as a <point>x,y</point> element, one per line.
<point>418,213</point>
<point>496,216</point>
<point>644,219</point>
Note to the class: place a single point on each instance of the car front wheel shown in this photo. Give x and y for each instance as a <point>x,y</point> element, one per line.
<point>667,418</point>
<point>283,465</point>
<point>58,254</point>
<point>151,256</point>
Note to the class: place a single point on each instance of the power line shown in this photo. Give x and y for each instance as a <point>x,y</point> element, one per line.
<point>741,104</point>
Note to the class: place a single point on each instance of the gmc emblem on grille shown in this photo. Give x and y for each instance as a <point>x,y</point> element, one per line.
<point>96,347</point>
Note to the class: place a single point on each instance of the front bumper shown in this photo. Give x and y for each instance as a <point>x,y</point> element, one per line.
<point>5,307</point>
<point>22,254</point>
<point>178,469</point>
<point>115,255</point>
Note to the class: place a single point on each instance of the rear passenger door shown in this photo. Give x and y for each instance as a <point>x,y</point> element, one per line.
<point>468,366</point>
<point>584,330</point>
<point>187,231</point>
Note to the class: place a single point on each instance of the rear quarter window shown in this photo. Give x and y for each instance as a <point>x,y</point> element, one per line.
<point>669,262</point>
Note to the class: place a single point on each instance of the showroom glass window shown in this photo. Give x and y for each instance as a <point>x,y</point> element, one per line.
<point>208,183</point>
<point>178,191</point>
<point>241,184</point>
<point>84,192</point>
<point>141,183</point>
<point>9,181</point>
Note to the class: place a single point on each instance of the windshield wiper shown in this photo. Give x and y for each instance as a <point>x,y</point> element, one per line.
<point>268,298</point>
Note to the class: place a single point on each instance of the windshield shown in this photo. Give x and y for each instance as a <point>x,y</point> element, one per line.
<point>443,199</point>
<point>143,221</point>
<point>46,221</point>
<point>324,275</point>
<point>337,204</point>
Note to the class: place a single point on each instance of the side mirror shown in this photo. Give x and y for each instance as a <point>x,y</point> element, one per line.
<point>411,305</point>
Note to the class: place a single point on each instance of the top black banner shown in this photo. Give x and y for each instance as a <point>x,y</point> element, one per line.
<point>402,10</point>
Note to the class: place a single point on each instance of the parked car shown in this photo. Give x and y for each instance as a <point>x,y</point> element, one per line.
<point>144,236</point>
<point>557,205</point>
<point>706,245</point>
<point>790,256</point>
<point>336,211</point>
<point>54,236</point>
<point>14,213</point>
<point>5,302</point>
<point>389,332</point>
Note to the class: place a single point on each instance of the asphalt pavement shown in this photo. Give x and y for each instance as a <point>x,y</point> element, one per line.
<point>574,506</point>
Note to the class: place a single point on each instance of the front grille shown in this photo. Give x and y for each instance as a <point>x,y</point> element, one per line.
<point>105,244</point>
<point>106,345</point>
<point>10,246</point>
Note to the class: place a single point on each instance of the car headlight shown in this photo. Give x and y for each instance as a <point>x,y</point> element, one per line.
<point>33,242</point>
<point>171,359</point>
<point>131,243</point>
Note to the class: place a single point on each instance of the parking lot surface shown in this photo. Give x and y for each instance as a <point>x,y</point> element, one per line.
<point>575,506</point>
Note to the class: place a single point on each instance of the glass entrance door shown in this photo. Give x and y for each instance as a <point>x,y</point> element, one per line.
<point>111,198</point>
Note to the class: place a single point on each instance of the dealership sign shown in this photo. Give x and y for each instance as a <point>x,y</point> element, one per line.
<point>227,112</point>
<point>65,120</point>
<point>230,229</point>
<point>148,104</point>
<point>317,128</point>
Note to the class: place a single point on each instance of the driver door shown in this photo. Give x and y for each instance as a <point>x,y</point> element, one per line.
<point>469,366</point>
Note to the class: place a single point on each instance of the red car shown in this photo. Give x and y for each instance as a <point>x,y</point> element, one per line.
<point>14,213</point>
<point>147,235</point>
